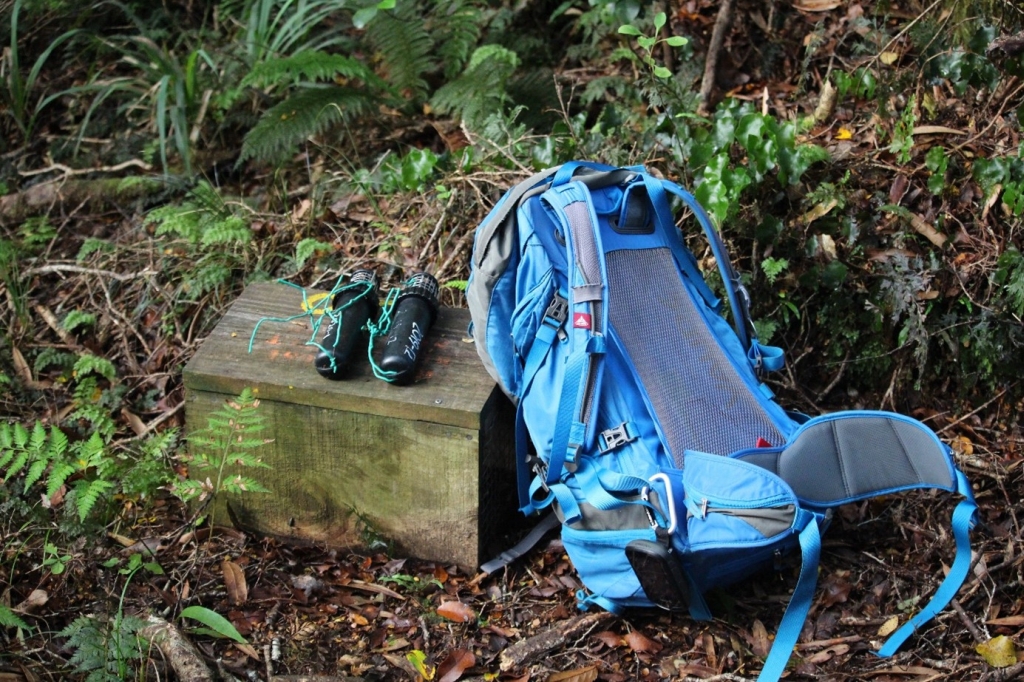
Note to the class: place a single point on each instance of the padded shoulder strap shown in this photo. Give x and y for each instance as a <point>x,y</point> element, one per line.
<point>849,456</point>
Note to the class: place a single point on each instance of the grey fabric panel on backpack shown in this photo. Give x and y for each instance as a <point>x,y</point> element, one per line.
<point>851,457</point>
<point>698,396</point>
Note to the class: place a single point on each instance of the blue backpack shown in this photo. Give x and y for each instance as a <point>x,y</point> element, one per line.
<point>642,417</point>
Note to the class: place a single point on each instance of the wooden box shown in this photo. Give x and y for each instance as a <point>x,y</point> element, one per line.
<point>429,466</point>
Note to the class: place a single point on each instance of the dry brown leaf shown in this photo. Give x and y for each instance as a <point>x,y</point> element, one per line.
<point>122,540</point>
<point>903,670</point>
<point>828,654</point>
<point>247,649</point>
<point>456,611</point>
<point>234,581</point>
<point>888,58</point>
<point>936,130</point>
<point>998,652</point>
<point>360,619</point>
<point>588,674</point>
<point>24,372</point>
<point>926,230</point>
<point>35,599</point>
<point>641,644</point>
<point>1007,621</point>
<point>889,626</point>
<point>396,644</point>
<point>709,649</point>
<point>133,421</point>
<point>376,589</point>
<point>609,639</point>
<point>440,574</point>
<point>454,664</point>
<point>816,5</point>
<point>761,644</point>
<point>818,211</point>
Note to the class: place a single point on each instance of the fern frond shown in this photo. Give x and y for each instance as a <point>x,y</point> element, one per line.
<point>20,436</point>
<point>88,493</point>
<point>535,90</point>
<point>456,30</point>
<point>20,460</point>
<point>243,484</point>
<point>482,89</point>
<point>231,230</point>
<point>58,476</point>
<point>90,363</point>
<point>310,65</point>
<point>405,47</point>
<point>9,619</point>
<point>310,112</point>
<point>38,438</point>
<point>35,470</point>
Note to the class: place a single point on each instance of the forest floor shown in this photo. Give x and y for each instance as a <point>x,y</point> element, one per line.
<point>319,611</point>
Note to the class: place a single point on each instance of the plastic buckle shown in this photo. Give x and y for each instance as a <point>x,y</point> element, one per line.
<point>557,310</point>
<point>614,437</point>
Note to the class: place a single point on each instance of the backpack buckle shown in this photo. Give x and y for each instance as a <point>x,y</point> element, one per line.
<point>557,310</point>
<point>616,436</point>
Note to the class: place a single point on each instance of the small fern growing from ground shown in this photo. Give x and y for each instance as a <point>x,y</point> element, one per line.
<point>50,461</point>
<point>230,442</point>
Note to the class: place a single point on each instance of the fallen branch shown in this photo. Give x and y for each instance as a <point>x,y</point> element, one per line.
<point>96,193</point>
<point>179,652</point>
<point>529,650</point>
<point>1004,674</point>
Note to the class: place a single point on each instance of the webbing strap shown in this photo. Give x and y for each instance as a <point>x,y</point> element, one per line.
<point>573,385</point>
<point>738,297</point>
<point>796,613</point>
<point>548,523</point>
<point>963,521</point>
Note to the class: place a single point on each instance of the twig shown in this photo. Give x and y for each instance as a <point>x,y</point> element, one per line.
<point>903,32</point>
<point>835,380</point>
<point>968,623</point>
<point>437,227</point>
<point>1004,674</point>
<point>825,643</point>
<point>79,270</point>
<point>68,170</point>
<point>714,48</point>
<point>723,677</point>
<point>975,411</point>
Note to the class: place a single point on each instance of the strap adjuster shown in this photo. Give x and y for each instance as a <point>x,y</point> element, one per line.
<point>616,436</point>
<point>557,311</point>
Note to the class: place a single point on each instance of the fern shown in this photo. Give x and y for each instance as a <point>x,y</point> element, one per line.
<point>456,32</point>
<point>78,318</point>
<point>406,50</point>
<point>229,441</point>
<point>103,646</point>
<point>9,619</point>
<point>482,89</point>
<point>88,493</point>
<point>311,65</point>
<point>87,364</point>
<point>309,112</point>
<point>306,248</point>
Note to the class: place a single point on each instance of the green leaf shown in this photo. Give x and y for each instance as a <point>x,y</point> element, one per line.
<point>218,624</point>
<point>676,41</point>
<point>629,30</point>
<point>646,42</point>
<point>998,652</point>
<point>659,21</point>
<point>361,18</point>
<point>662,72</point>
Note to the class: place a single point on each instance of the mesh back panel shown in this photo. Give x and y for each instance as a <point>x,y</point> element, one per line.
<point>697,395</point>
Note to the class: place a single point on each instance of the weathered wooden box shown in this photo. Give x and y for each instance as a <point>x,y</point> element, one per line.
<point>428,466</point>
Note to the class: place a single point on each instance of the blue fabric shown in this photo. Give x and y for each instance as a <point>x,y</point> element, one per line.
<point>963,521</point>
<point>574,385</point>
<point>796,613</point>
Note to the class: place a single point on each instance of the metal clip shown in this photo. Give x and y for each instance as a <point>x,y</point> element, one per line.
<point>614,437</point>
<point>669,503</point>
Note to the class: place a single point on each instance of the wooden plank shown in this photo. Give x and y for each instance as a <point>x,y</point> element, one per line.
<point>341,477</point>
<point>451,385</point>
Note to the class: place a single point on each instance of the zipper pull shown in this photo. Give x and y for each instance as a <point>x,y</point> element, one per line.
<point>704,509</point>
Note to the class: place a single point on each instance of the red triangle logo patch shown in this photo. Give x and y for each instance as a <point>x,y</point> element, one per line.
<point>581,321</point>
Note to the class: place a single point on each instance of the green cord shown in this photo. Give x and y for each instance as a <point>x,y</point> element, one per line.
<point>317,320</point>
<point>381,328</point>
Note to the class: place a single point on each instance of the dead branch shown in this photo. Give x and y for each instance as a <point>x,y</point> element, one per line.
<point>96,193</point>
<point>535,647</point>
<point>180,653</point>
<point>1004,674</point>
<point>714,48</point>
